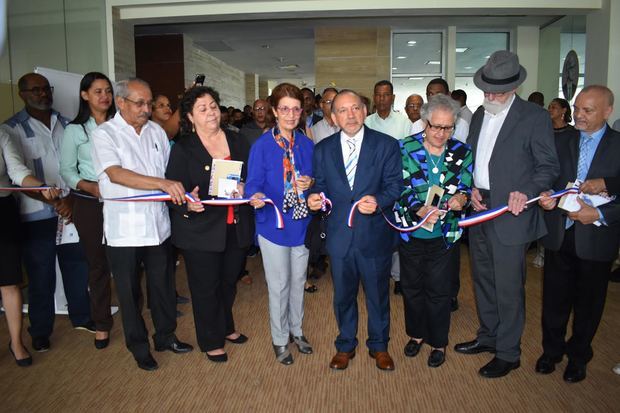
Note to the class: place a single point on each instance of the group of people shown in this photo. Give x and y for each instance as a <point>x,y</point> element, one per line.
<point>349,169</point>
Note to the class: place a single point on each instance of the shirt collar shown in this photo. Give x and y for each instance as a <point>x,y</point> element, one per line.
<point>356,138</point>
<point>123,123</point>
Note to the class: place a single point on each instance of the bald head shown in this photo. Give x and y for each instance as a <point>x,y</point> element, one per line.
<point>412,107</point>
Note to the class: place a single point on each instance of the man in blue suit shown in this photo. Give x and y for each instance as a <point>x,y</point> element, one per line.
<point>358,164</point>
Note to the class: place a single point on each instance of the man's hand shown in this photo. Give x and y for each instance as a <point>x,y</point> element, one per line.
<point>593,186</point>
<point>314,202</point>
<point>476,200</point>
<point>516,202</point>
<point>174,189</point>
<point>367,205</point>
<point>64,208</point>
<point>586,215</point>
<point>546,202</point>
<point>51,194</point>
<point>195,206</point>
<point>433,218</point>
<point>257,200</point>
<point>457,202</point>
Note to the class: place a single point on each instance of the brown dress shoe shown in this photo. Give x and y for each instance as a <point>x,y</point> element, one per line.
<point>341,360</point>
<point>383,360</point>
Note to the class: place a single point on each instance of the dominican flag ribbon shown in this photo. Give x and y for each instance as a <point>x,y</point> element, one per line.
<point>25,188</point>
<point>496,212</point>
<point>163,197</point>
<point>326,204</point>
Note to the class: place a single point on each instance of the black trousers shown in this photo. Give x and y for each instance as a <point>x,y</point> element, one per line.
<point>88,219</point>
<point>572,284</point>
<point>124,263</point>
<point>212,279</point>
<point>426,276</point>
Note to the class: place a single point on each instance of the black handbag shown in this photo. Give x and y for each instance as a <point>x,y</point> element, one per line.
<point>316,237</point>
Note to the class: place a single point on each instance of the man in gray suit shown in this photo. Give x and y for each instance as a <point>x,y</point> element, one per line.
<point>515,159</point>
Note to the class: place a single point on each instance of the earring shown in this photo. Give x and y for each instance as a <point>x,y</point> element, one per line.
<point>193,128</point>
<point>423,134</point>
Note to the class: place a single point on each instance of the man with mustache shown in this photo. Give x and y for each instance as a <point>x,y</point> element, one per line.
<point>130,155</point>
<point>38,131</point>
<point>515,159</point>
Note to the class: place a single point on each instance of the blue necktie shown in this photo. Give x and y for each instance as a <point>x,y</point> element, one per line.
<point>351,164</point>
<point>582,167</point>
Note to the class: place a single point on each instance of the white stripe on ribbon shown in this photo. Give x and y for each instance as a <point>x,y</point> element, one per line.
<point>25,189</point>
<point>163,197</point>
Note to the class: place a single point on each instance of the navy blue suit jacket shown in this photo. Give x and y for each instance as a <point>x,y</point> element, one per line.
<point>379,173</point>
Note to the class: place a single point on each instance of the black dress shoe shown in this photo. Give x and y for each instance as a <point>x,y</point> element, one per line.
<point>101,344</point>
<point>436,358</point>
<point>40,344</point>
<point>546,364</point>
<point>498,368</point>
<point>575,372</point>
<point>454,304</point>
<point>412,348</point>
<point>397,289</point>
<point>217,358</point>
<point>148,363</point>
<point>473,347</point>
<point>176,347</point>
<point>239,340</point>
<point>21,362</point>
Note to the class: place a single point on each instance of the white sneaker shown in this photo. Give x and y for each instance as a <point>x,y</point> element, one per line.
<point>616,369</point>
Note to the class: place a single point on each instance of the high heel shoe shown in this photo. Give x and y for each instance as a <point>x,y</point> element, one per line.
<point>302,344</point>
<point>102,343</point>
<point>217,358</point>
<point>21,362</point>
<point>283,355</point>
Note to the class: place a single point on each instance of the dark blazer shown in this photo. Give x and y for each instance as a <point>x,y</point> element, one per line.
<point>379,173</point>
<point>523,159</point>
<point>591,242</point>
<point>190,163</point>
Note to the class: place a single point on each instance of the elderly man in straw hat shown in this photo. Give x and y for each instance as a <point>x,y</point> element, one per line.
<point>515,159</point>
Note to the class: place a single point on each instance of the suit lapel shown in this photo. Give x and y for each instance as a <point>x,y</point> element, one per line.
<point>336,152</point>
<point>364,163</point>
<point>573,153</point>
<point>599,156</point>
<point>474,129</point>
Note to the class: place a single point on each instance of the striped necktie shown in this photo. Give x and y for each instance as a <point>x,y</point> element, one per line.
<point>582,167</point>
<point>351,164</point>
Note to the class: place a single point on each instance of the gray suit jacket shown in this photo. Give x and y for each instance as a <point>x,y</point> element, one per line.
<point>523,159</point>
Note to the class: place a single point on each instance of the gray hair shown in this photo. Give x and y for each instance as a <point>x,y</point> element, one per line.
<point>441,102</point>
<point>121,88</point>
<point>346,92</point>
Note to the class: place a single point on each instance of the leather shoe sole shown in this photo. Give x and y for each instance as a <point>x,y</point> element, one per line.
<point>341,360</point>
<point>473,347</point>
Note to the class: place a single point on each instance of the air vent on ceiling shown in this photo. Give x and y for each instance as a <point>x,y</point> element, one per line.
<point>289,68</point>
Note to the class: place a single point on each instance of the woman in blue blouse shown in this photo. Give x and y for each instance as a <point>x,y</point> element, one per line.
<point>280,168</point>
<point>76,169</point>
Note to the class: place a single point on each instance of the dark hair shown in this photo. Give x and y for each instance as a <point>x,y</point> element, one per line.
<point>330,89</point>
<point>439,81</point>
<point>84,110</point>
<point>384,83</point>
<point>223,109</point>
<point>568,115</point>
<point>459,94</point>
<point>189,100</point>
<point>537,97</point>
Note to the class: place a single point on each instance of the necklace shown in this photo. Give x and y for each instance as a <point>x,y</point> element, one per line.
<point>435,165</point>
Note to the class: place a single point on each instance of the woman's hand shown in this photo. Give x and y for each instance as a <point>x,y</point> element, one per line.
<point>425,210</point>
<point>546,202</point>
<point>238,193</point>
<point>196,206</point>
<point>257,200</point>
<point>457,202</point>
<point>315,202</point>
<point>304,182</point>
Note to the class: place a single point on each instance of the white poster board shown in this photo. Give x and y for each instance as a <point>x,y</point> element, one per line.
<point>66,90</point>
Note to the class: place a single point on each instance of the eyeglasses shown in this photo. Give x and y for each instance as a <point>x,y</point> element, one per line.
<point>437,128</point>
<point>286,110</point>
<point>140,103</point>
<point>413,106</point>
<point>259,109</point>
<point>38,91</point>
<point>327,102</point>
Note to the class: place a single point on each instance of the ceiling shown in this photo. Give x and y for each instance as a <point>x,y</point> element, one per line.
<point>283,49</point>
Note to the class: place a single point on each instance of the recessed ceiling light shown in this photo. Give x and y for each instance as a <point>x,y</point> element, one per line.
<point>394,68</point>
<point>468,68</point>
<point>416,78</point>
<point>411,42</point>
<point>486,57</point>
<point>462,49</point>
<point>265,46</point>
<point>432,62</point>
<point>401,57</point>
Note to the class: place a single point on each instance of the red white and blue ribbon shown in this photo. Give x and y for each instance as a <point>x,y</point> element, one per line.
<point>326,204</point>
<point>25,188</point>
<point>163,197</point>
<point>496,212</point>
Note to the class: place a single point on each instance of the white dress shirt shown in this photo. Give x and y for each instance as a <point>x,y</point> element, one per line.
<point>396,124</point>
<point>491,125</point>
<point>466,114</point>
<point>40,147</point>
<point>358,139</point>
<point>116,143</point>
<point>12,168</point>
<point>322,130</point>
